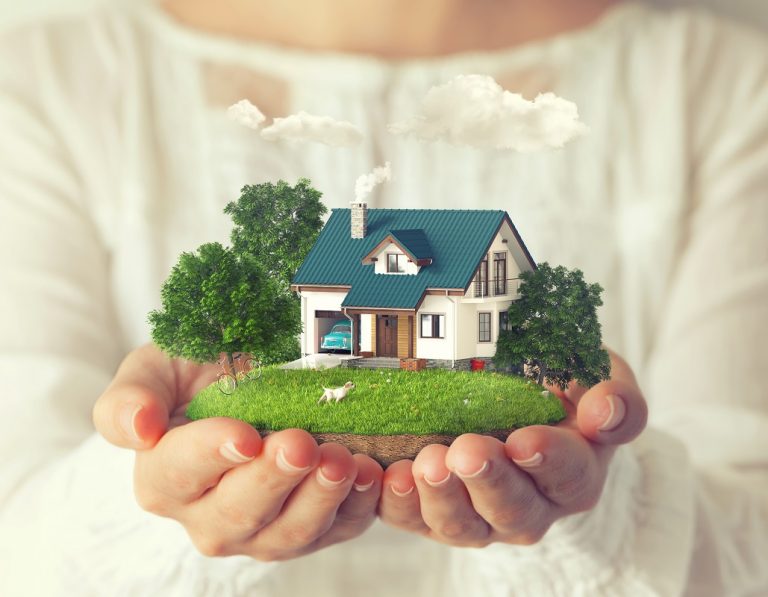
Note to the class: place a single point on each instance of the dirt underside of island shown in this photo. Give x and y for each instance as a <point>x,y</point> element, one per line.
<point>386,449</point>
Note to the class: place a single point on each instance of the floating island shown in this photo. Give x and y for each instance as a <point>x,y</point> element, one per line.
<point>390,414</point>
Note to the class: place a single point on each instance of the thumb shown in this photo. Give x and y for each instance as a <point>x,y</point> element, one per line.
<point>133,412</point>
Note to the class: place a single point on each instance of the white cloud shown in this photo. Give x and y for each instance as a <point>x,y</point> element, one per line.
<point>245,113</point>
<point>366,182</point>
<point>474,110</point>
<point>308,127</point>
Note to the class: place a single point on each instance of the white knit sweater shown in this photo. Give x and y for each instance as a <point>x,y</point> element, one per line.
<point>116,155</point>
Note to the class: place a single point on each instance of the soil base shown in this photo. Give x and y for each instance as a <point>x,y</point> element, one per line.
<point>386,449</point>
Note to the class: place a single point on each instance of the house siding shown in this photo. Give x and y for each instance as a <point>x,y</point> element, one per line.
<point>367,333</point>
<point>317,301</point>
<point>403,335</point>
<point>435,348</point>
<point>373,335</point>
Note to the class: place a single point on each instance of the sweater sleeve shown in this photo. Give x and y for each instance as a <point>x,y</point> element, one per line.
<point>69,524</point>
<point>685,507</point>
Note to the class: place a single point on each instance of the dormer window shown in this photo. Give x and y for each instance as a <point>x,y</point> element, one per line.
<point>395,263</point>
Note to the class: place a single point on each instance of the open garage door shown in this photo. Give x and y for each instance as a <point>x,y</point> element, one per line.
<point>325,340</point>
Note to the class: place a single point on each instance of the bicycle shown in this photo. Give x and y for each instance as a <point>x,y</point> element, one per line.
<point>247,369</point>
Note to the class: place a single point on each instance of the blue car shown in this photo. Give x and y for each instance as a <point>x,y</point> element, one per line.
<point>339,338</point>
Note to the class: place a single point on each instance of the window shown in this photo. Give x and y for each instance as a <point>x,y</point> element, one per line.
<point>500,273</point>
<point>503,321</point>
<point>481,278</point>
<point>432,326</point>
<point>484,327</point>
<point>395,263</point>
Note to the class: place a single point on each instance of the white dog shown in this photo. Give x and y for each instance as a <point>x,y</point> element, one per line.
<point>337,394</point>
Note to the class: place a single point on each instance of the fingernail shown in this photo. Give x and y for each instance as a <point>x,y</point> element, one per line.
<point>128,421</point>
<point>286,466</point>
<point>616,411</point>
<point>477,473</point>
<point>326,482</point>
<point>361,487</point>
<point>401,493</point>
<point>231,453</point>
<point>443,481</point>
<point>534,460</point>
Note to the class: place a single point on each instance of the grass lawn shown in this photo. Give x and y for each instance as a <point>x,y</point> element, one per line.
<point>384,402</point>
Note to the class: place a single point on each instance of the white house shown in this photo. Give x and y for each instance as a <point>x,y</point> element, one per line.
<point>423,283</point>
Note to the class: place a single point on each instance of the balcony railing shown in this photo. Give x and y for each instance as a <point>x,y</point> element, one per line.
<point>493,287</point>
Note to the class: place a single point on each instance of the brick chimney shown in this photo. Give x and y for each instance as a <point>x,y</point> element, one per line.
<point>359,219</point>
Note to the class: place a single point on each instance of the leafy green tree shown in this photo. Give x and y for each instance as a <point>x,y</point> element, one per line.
<point>275,225</point>
<point>214,303</point>
<point>554,328</point>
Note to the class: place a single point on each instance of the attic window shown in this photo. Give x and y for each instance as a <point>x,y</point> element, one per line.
<point>395,263</point>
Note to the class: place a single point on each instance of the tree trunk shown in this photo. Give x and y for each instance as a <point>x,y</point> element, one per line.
<point>542,372</point>
<point>231,361</point>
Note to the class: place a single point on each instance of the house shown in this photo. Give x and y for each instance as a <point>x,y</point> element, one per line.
<point>414,283</point>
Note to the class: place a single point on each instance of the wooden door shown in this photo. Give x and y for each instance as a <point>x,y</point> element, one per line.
<point>386,335</point>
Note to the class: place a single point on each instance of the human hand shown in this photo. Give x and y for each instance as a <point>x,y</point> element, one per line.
<point>271,499</point>
<point>480,491</point>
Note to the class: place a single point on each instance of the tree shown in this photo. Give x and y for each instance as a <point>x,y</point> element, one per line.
<point>275,225</point>
<point>553,327</point>
<point>214,303</point>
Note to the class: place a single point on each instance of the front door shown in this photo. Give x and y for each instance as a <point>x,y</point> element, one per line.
<point>386,335</point>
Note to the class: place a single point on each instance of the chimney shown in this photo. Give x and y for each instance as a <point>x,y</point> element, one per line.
<point>359,219</point>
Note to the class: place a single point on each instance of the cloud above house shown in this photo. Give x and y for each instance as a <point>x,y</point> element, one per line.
<point>318,129</point>
<point>476,111</point>
<point>245,113</point>
<point>367,182</point>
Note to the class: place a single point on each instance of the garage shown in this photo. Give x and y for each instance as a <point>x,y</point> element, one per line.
<point>324,321</point>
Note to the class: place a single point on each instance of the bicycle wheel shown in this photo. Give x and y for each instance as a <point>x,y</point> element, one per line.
<point>226,383</point>
<point>252,368</point>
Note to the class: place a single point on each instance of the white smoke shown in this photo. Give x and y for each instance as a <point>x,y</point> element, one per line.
<point>367,182</point>
<point>319,129</point>
<point>474,110</point>
<point>245,113</point>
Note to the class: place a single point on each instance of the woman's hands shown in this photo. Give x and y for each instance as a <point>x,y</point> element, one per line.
<point>271,499</point>
<point>480,491</point>
<point>285,496</point>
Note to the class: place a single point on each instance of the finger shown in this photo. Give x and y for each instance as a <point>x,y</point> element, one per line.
<point>399,503</point>
<point>131,416</point>
<point>133,412</point>
<point>249,497</point>
<point>189,460</point>
<point>501,493</point>
<point>562,463</point>
<point>358,510</point>
<point>445,504</point>
<point>311,509</point>
<point>575,392</point>
<point>613,412</point>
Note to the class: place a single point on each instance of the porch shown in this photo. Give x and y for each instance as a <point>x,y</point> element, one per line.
<point>392,333</point>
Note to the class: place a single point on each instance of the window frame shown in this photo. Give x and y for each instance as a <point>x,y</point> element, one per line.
<point>499,261</point>
<point>435,325</point>
<point>480,329</point>
<point>397,257</point>
<point>482,287</point>
<point>503,325</point>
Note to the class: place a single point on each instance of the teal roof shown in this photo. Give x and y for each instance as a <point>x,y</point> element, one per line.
<point>414,241</point>
<point>455,240</point>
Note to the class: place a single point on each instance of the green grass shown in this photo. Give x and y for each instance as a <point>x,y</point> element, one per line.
<point>384,402</point>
